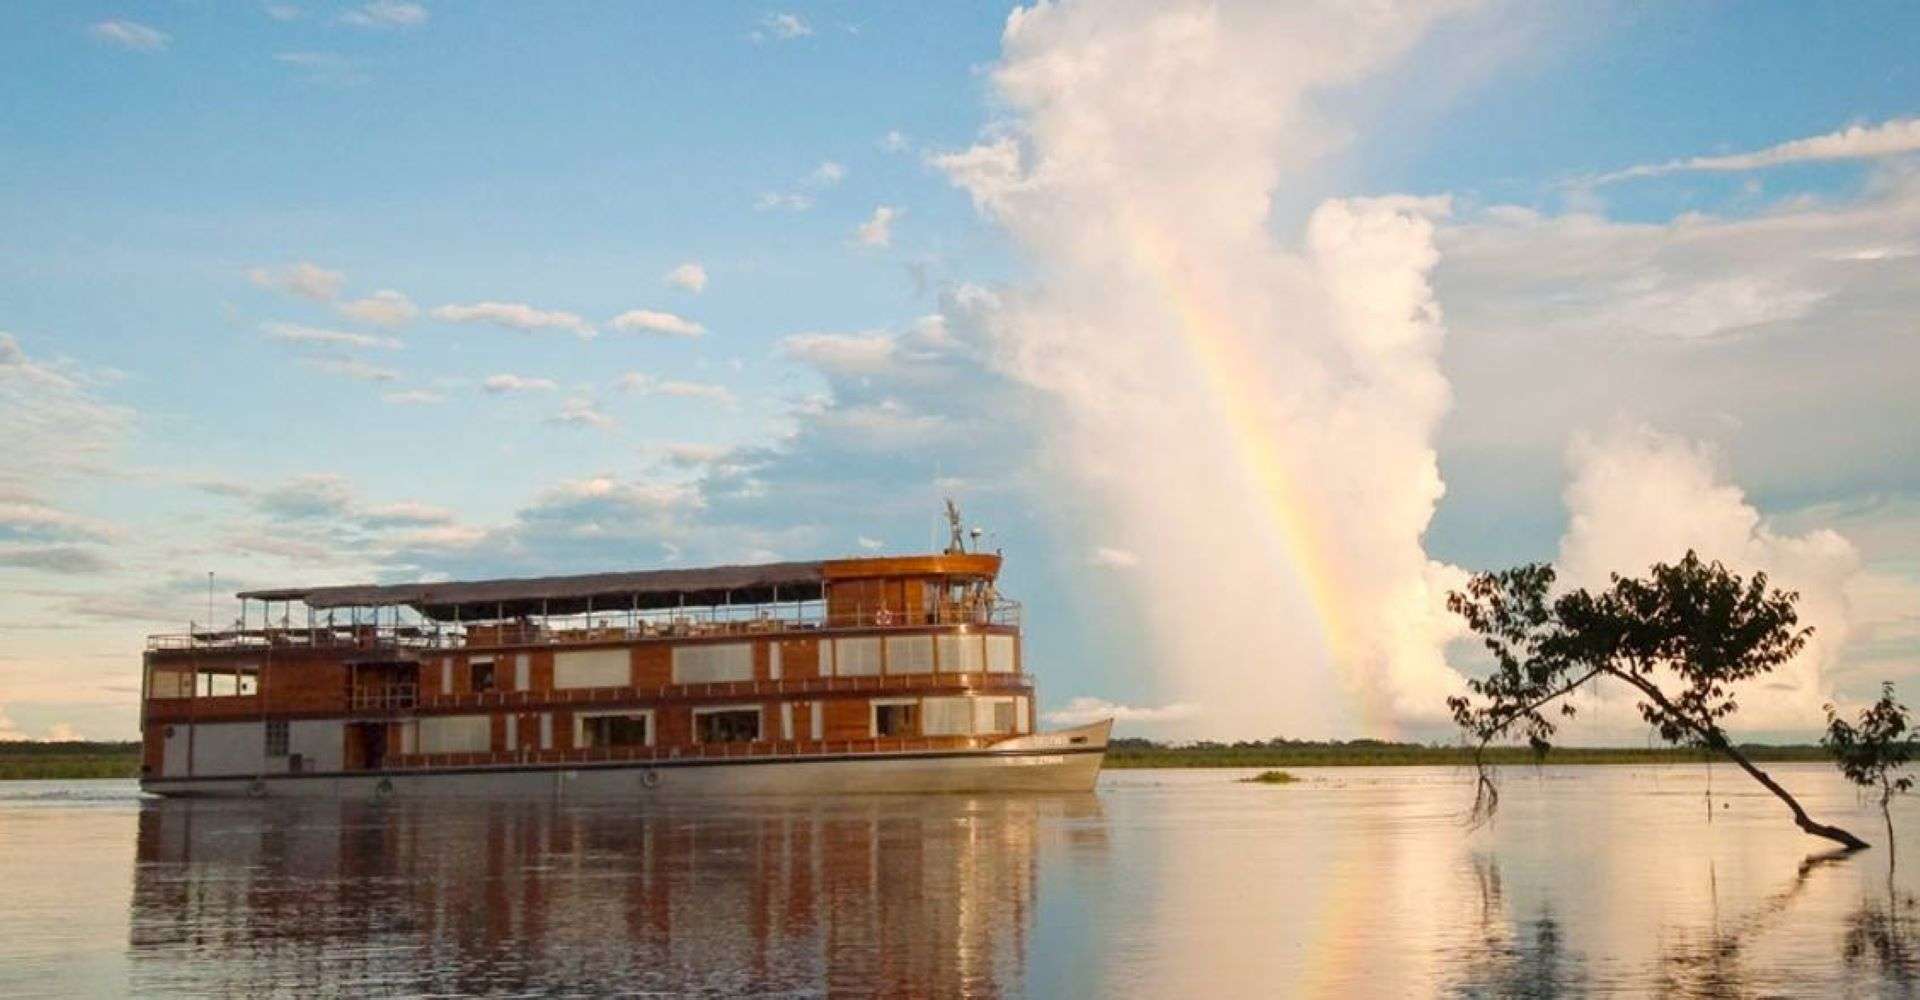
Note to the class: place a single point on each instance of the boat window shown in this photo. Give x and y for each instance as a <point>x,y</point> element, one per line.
<point>947,717</point>
<point>910,654</point>
<point>624,730</point>
<point>589,668</point>
<point>896,718</point>
<point>857,657</point>
<point>1003,716</point>
<point>713,663</point>
<point>482,675</point>
<point>277,738</point>
<point>455,734</point>
<point>171,682</point>
<point>726,725</point>
<point>1000,655</point>
<point>960,654</point>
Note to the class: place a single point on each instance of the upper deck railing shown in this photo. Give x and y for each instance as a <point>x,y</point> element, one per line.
<point>599,627</point>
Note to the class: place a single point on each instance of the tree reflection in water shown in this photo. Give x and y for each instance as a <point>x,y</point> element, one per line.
<point>1711,963</point>
<point>1882,933</point>
<point>1528,962</point>
<point>895,896</point>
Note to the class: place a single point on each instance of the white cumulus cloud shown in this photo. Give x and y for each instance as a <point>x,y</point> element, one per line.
<point>877,231</point>
<point>1638,497</point>
<point>690,276</point>
<point>841,353</point>
<point>385,307</point>
<point>305,279</point>
<point>1083,710</point>
<point>785,26</point>
<point>653,321</point>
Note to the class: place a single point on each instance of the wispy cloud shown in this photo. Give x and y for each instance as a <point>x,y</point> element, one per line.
<point>692,456</point>
<point>783,26</point>
<point>305,279</point>
<point>65,559</point>
<point>295,333</point>
<point>877,231</point>
<point>508,384</point>
<point>514,316</point>
<point>895,141</point>
<point>323,67</point>
<point>1114,558</point>
<point>690,276</point>
<point>414,397</point>
<point>353,368</point>
<point>581,412</point>
<point>826,175</point>
<point>1083,710</point>
<point>651,321</point>
<point>1857,142</point>
<point>130,35</point>
<point>647,385</point>
<point>788,202</point>
<point>385,307</point>
<point>26,519</point>
<point>841,353</point>
<point>386,14</point>
<point>281,11</point>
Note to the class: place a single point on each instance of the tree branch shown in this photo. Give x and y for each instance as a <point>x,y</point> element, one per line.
<point>1714,738</point>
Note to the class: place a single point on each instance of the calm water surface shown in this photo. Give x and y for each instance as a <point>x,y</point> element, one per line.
<point>1354,882</point>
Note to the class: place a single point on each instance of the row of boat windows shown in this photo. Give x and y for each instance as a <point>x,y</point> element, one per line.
<point>887,717</point>
<point>718,663</point>
<point>707,663</point>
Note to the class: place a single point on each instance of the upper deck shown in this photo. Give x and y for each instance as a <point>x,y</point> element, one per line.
<point>879,593</point>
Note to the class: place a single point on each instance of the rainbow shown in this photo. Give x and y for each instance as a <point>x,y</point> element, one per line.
<point>1217,346</point>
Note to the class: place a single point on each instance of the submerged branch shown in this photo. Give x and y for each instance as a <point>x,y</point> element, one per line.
<point>1486,796</point>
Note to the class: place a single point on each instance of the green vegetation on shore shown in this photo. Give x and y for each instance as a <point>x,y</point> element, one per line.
<point>1350,753</point>
<point>64,761</point>
<point>24,760</point>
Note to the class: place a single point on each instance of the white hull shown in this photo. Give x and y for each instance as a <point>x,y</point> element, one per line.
<point>1064,761</point>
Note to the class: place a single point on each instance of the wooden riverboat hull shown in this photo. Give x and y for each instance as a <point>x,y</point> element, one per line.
<point>1063,761</point>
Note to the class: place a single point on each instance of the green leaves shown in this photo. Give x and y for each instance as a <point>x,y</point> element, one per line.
<point>1873,752</point>
<point>1684,635</point>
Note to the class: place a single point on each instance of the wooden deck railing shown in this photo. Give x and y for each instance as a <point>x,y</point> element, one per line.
<point>739,621</point>
<point>759,749</point>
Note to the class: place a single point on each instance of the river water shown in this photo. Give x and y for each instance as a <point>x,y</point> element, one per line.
<point>1353,882</point>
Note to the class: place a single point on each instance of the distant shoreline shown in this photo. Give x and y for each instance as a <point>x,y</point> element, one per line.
<point>1124,754</point>
<point>30,761</point>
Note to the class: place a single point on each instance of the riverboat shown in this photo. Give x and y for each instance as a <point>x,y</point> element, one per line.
<point>870,674</point>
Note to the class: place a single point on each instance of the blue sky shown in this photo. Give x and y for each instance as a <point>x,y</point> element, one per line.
<point>166,169</point>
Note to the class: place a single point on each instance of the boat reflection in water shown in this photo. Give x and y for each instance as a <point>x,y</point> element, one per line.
<point>884,896</point>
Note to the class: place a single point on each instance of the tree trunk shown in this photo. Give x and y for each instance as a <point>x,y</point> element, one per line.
<point>1718,741</point>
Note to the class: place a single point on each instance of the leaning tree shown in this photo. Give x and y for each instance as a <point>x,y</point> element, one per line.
<point>1680,639</point>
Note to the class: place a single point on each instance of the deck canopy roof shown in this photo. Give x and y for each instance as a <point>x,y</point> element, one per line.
<point>481,600</point>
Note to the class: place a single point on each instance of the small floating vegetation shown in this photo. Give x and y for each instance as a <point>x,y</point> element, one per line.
<point>1271,778</point>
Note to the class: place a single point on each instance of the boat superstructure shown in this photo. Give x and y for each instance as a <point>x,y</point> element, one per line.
<point>868,674</point>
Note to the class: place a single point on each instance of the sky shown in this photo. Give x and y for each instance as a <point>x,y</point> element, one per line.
<point>1245,330</point>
